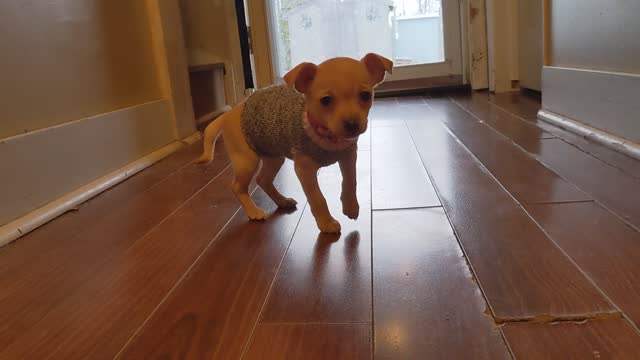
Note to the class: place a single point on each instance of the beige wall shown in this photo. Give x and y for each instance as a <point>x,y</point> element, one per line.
<point>104,83</point>
<point>530,34</point>
<point>211,34</point>
<point>596,34</point>
<point>64,60</point>
<point>502,41</point>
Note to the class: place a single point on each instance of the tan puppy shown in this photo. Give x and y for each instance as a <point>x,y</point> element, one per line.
<point>327,119</point>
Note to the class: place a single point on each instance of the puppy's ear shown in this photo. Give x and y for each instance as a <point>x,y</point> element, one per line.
<point>377,66</point>
<point>301,77</point>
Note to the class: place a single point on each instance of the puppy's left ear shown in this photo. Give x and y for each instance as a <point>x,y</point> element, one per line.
<point>377,66</point>
<point>301,77</point>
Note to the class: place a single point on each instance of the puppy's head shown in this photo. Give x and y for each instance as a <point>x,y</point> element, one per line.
<point>339,92</point>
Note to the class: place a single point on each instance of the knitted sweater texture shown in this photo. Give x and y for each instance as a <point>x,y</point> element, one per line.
<point>272,123</point>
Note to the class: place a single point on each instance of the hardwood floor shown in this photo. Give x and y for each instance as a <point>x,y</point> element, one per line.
<point>483,234</point>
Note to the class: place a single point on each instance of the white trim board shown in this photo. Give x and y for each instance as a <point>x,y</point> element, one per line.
<point>622,145</point>
<point>19,227</point>
<point>605,101</point>
<point>41,166</point>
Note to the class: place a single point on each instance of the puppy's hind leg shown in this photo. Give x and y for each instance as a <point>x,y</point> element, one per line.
<point>245,166</point>
<point>270,168</point>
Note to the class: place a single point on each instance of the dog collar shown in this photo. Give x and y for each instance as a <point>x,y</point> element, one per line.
<point>322,136</point>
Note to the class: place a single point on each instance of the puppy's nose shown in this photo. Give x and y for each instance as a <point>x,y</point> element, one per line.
<point>351,127</point>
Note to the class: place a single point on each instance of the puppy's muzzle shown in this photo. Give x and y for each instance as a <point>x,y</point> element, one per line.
<point>352,128</point>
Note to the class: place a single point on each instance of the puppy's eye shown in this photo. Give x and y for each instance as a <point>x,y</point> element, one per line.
<point>365,96</point>
<point>326,100</point>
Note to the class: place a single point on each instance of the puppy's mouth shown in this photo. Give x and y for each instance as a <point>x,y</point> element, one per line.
<point>325,132</point>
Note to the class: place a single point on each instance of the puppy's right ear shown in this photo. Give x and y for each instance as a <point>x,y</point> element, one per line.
<point>301,77</point>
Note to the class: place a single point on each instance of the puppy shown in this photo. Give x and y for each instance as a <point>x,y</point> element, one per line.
<point>315,120</point>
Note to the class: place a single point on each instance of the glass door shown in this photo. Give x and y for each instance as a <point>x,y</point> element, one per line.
<point>422,37</point>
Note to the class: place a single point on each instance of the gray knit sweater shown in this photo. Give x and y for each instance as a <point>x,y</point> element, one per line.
<point>272,123</point>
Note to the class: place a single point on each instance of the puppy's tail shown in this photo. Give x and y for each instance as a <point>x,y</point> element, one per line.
<point>211,134</point>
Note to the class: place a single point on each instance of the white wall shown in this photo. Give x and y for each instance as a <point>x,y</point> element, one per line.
<point>596,34</point>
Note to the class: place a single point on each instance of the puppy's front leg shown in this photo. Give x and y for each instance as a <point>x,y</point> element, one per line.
<point>349,198</point>
<point>307,171</point>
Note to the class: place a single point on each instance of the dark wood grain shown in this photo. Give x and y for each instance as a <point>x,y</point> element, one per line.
<point>624,163</point>
<point>516,103</point>
<point>327,278</point>
<point>99,316</point>
<point>384,114</point>
<point>525,108</point>
<point>426,304</point>
<point>399,179</point>
<point>411,100</point>
<point>603,246</point>
<point>211,314</point>
<point>522,175</point>
<point>521,271</point>
<point>585,171</point>
<point>38,276</point>
<point>311,341</point>
<point>594,339</point>
<point>612,188</point>
<point>507,124</point>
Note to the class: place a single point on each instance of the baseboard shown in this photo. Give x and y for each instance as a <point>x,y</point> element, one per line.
<point>43,165</point>
<point>617,143</point>
<point>601,100</point>
<point>41,216</point>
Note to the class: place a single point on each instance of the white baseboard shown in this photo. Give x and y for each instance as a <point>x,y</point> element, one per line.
<point>604,101</point>
<point>620,144</point>
<point>40,166</point>
<point>19,227</point>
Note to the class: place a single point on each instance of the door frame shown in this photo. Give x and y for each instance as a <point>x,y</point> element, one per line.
<point>456,42</point>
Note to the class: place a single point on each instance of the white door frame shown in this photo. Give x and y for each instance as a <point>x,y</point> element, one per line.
<point>446,73</point>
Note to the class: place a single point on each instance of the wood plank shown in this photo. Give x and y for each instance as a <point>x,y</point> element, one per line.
<point>384,114</point>
<point>98,317</point>
<point>521,271</point>
<point>588,173</point>
<point>211,314</point>
<point>612,188</point>
<point>522,175</point>
<point>525,108</point>
<point>602,245</point>
<point>38,274</point>
<point>624,163</point>
<point>379,99</point>
<point>399,180</point>
<point>412,100</point>
<point>505,123</point>
<point>311,341</point>
<point>426,304</point>
<point>594,339</point>
<point>327,278</point>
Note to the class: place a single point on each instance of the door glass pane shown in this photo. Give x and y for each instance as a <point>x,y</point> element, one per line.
<point>407,31</point>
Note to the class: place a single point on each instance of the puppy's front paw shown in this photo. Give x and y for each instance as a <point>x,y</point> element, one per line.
<point>257,214</point>
<point>351,208</point>
<point>329,226</point>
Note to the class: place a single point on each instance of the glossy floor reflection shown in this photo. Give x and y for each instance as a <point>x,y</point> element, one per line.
<point>483,234</point>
